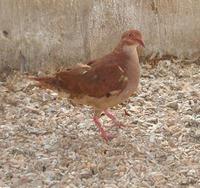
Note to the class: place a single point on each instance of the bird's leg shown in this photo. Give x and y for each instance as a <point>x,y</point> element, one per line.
<point>114,119</point>
<point>103,133</point>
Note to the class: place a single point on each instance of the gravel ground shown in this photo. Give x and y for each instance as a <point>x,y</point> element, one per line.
<point>47,142</point>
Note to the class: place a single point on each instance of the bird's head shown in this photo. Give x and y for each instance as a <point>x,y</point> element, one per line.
<point>132,37</point>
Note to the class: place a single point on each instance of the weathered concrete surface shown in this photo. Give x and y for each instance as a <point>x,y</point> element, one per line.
<point>50,33</point>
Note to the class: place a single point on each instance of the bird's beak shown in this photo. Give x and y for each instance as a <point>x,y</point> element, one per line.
<point>141,42</point>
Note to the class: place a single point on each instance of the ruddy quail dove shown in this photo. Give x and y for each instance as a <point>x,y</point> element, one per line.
<point>104,82</point>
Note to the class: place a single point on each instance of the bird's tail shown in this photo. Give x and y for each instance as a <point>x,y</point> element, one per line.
<point>47,82</point>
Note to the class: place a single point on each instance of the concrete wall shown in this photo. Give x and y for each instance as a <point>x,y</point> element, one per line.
<point>50,33</point>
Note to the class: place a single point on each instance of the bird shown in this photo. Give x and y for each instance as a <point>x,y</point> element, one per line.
<point>102,83</point>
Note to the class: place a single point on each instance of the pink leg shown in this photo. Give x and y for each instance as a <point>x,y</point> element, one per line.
<point>114,119</point>
<point>103,133</point>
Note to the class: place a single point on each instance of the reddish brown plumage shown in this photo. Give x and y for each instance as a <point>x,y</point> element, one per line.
<point>97,79</point>
<point>103,82</point>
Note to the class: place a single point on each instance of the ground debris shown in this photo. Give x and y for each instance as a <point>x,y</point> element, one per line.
<point>47,142</point>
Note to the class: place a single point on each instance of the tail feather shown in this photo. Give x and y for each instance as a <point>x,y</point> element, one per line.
<point>48,82</point>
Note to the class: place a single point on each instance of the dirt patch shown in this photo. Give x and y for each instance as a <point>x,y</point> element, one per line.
<point>47,142</point>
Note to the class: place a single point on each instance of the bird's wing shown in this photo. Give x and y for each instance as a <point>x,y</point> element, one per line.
<point>103,79</point>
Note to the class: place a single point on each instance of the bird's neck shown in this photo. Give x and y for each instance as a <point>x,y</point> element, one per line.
<point>128,50</point>
<point>118,48</point>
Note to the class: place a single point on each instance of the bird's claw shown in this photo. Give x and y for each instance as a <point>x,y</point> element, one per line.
<point>107,137</point>
<point>119,125</point>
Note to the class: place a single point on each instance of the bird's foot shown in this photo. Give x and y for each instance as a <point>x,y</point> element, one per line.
<point>114,119</point>
<point>119,125</point>
<point>104,135</point>
<point>107,137</point>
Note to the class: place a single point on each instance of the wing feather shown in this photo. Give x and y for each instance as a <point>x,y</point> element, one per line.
<point>99,78</point>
